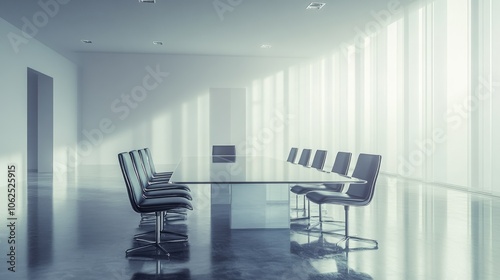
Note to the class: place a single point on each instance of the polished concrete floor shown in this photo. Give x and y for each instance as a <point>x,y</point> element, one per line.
<point>79,228</point>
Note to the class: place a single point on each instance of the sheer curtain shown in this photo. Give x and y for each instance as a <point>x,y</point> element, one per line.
<point>419,90</point>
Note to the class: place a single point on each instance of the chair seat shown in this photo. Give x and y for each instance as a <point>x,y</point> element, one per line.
<point>305,188</point>
<point>165,186</point>
<point>163,174</point>
<point>168,193</point>
<point>163,204</point>
<point>321,197</point>
<point>156,180</point>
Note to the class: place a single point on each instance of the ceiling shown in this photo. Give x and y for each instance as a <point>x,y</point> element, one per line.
<point>208,27</point>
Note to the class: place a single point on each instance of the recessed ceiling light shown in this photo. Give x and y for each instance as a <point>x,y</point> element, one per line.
<point>158,43</point>
<point>315,6</point>
<point>147,1</point>
<point>87,41</point>
<point>265,46</point>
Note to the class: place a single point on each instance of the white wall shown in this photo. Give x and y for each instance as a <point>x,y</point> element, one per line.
<point>125,106</point>
<point>13,93</point>
<point>228,117</point>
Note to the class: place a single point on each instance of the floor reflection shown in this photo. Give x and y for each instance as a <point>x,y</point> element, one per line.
<point>161,274</point>
<point>80,229</point>
<point>329,260</point>
<point>40,219</point>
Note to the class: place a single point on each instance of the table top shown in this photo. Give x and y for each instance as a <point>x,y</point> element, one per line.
<point>251,170</point>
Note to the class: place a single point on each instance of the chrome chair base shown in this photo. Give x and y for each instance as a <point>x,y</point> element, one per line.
<point>321,221</point>
<point>157,242</point>
<point>320,225</point>
<point>183,237</point>
<point>158,246</point>
<point>346,239</point>
<point>162,215</point>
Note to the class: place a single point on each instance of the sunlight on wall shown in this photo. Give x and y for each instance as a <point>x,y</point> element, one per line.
<point>351,99</point>
<point>64,170</point>
<point>485,94</point>
<point>367,135</point>
<point>403,92</point>
<point>186,128</point>
<point>394,92</point>
<point>458,88</point>
<point>202,109</point>
<point>291,108</point>
<point>161,127</point>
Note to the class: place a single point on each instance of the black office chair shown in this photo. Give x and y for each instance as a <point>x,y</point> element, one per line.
<point>318,163</point>
<point>158,188</point>
<point>292,155</point>
<point>153,168</point>
<point>305,156</point>
<point>367,168</point>
<point>340,166</point>
<point>223,153</point>
<point>142,204</point>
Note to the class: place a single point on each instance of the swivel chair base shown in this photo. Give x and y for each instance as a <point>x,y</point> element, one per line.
<point>157,242</point>
<point>183,237</point>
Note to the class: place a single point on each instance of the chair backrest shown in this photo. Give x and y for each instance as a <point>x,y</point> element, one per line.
<point>304,157</point>
<point>319,159</point>
<point>150,159</point>
<point>139,168</point>
<point>367,168</point>
<point>340,166</point>
<point>146,163</point>
<point>132,183</point>
<point>292,155</point>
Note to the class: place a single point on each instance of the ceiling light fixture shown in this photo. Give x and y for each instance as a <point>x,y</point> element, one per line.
<point>315,6</point>
<point>158,43</point>
<point>87,41</point>
<point>147,1</point>
<point>265,46</point>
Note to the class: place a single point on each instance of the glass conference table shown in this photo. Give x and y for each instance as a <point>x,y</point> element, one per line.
<point>259,187</point>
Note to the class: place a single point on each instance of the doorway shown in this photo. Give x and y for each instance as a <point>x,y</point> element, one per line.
<point>40,121</point>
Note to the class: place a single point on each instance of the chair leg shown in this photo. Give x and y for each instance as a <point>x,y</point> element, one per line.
<point>162,215</point>
<point>296,203</point>
<point>347,237</point>
<point>304,216</point>
<point>322,220</point>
